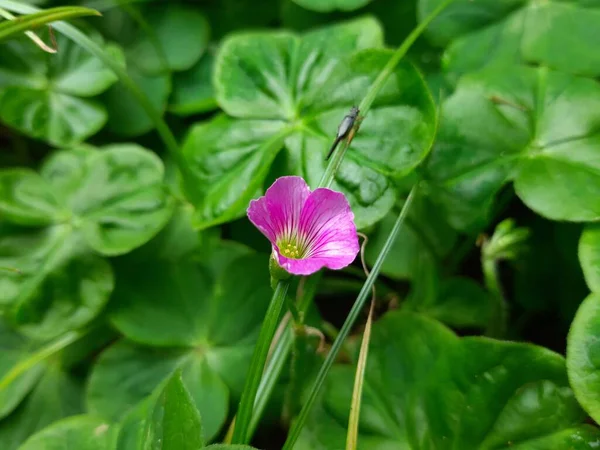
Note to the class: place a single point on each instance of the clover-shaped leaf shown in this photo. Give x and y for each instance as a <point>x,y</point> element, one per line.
<point>47,96</point>
<point>15,348</point>
<point>589,256</point>
<point>582,355</point>
<point>79,432</point>
<point>168,420</point>
<point>420,253</point>
<point>226,16</point>
<point>126,117</point>
<point>38,396</point>
<point>180,316</point>
<point>425,239</point>
<point>332,5</point>
<point>166,38</point>
<point>193,91</point>
<point>281,90</point>
<point>59,285</point>
<point>458,302</point>
<point>488,32</point>
<point>173,39</point>
<point>56,395</point>
<point>533,126</point>
<point>427,388</point>
<point>229,447</point>
<point>83,203</point>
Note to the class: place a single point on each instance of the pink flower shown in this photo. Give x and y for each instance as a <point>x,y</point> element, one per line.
<point>308,230</point>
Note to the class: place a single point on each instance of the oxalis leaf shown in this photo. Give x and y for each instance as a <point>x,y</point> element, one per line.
<point>163,46</point>
<point>332,5</point>
<point>34,392</point>
<point>582,355</point>
<point>533,126</point>
<point>419,255</point>
<point>193,92</point>
<point>281,90</point>
<point>80,432</point>
<point>15,348</point>
<point>427,388</point>
<point>426,237</point>
<point>229,447</point>
<point>82,204</point>
<point>126,115</point>
<point>153,40</point>
<point>488,32</point>
<point>179,315</point>
<point>168,420</point>
<point>589,256</point>
<point>56,395</point>
<point>458,302</point>
<point>48,96</point>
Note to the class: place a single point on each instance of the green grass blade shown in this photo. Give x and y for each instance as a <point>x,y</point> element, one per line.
<point>359,379</point>
<point>11,28</point>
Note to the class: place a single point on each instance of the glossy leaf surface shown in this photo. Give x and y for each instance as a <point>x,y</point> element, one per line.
<point>424,386</point>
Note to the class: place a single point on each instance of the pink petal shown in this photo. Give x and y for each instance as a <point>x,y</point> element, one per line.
<point>278,211</point>
<point>328,222</point>
<point>306,266</point>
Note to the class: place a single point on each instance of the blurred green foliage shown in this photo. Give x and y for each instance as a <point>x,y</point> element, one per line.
<point>132,287</point>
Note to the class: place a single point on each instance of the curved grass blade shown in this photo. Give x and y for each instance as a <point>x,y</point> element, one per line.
<point>10,28</point>
<point>359,379</point>
<point>31,35</point>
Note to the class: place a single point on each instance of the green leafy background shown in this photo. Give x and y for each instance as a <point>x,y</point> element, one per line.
<point>132,286</point>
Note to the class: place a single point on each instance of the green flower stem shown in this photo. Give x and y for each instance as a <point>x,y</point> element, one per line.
<point>82,40</point>
<point>302,351</point>
<point>298,370</point>
<point>280,354</point>
<point>363,296</point>
<point>261,351</point>
<point>498,319</point>
<point>39,356</point>
<point>297,316</point>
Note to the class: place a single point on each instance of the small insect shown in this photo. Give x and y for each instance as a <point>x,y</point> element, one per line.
<point>344,128</point>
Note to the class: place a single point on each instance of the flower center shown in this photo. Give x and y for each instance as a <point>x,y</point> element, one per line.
<point>291,249</point>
